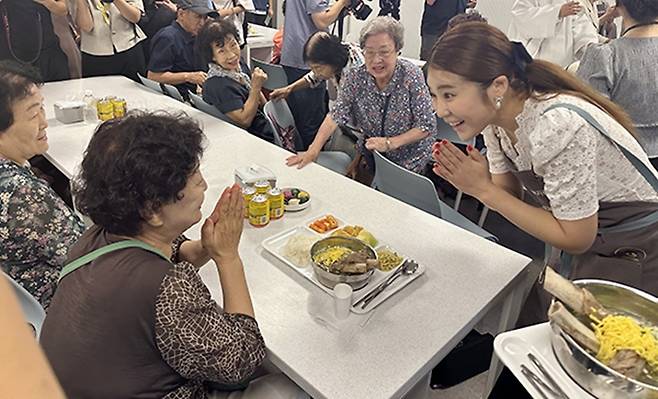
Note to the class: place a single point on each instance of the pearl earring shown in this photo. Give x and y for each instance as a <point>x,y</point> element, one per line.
<point>498,102</point>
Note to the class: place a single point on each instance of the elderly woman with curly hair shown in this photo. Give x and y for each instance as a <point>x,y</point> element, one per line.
<point>387,99</point>
<point>131,317</point>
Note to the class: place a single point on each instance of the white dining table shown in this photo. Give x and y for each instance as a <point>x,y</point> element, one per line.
<point>390,351</point>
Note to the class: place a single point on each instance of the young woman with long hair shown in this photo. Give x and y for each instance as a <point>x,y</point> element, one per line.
<point>568,147</point>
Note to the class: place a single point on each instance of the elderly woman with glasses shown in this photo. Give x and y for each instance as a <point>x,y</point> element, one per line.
<point>387,100</point>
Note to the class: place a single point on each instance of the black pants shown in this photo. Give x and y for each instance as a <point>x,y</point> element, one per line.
<point>127,63</point>
<point>308,106</point>
<point>53,64</point>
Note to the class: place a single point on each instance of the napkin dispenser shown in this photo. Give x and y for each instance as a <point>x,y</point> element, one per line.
<point>69,111</point>
<point>249,175</point>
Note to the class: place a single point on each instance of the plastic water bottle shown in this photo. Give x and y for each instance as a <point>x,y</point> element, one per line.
<point>90,114</point>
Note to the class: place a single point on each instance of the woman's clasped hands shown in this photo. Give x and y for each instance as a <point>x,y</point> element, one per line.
<point>467,172</point>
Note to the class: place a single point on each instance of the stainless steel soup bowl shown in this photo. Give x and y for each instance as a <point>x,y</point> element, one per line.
<point>587,371</point>
<point>328,279</point>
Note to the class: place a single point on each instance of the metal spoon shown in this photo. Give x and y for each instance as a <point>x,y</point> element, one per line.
<point>390,277</point>
<point>409,268</point>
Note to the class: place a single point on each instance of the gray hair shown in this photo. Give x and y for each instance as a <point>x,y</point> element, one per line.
<point>384,24</point>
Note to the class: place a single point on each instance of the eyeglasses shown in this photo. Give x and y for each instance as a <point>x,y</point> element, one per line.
<point>370,54</point>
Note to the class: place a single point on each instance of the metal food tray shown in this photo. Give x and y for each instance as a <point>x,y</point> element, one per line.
<point>274,245</point>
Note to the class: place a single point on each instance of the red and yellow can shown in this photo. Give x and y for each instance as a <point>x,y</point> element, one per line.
<point>119,107</point>
<point>247,194</point>
<point>262,187</point>
<point>105,109</point>
<point>275,196</point>
<point>259,211</point>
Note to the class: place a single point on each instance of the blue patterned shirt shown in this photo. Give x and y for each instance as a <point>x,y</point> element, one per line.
<point>361,104</point>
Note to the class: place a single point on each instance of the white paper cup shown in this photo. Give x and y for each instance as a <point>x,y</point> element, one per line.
<point>342,300</point>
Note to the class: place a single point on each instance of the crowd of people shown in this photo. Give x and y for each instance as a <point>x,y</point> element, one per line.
<point>564,106</point>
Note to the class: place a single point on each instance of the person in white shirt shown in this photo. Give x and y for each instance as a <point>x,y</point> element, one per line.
<point>234,11</point>
<point>110,38</point>
<point>552,30</point>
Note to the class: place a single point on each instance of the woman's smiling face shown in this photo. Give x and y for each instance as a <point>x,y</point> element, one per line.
<point>26,137</point>
<point>464,105</point>
<point>228,55</point>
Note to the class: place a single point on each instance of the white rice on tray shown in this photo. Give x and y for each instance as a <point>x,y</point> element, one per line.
<point>298,249</point>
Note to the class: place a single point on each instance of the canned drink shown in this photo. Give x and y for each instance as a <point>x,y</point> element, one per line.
<point>262,187</point>
<point>105,109</point>
<point>259,210</point>
<point>247,194</point>
<point>276,203</point>
<point>119,107</point>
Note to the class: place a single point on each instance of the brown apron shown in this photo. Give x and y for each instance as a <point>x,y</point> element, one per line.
<point>626,246</point>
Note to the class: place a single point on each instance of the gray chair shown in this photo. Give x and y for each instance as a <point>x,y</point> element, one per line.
<point>200,104</point>
<point>287,136</point>
<point>173,92</point>
<point>418,191</point>
<point>32,310</point>
<point>445,132</point>
<point>276,76</point>
<point>151,84</point>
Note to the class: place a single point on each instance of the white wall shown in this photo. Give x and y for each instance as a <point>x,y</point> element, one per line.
<point>411,12</point>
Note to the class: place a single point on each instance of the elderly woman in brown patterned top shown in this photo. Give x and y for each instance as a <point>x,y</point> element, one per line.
<point>131,317</point>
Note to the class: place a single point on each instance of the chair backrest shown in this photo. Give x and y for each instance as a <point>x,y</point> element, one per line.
<point>409,187</point>
<point>200,104</point>
<point>418,191</point>
<point>276,76</point>
<point>151,84</point>
<point>445,132</point>
<point>283,124</point>
<point>32,310</point>
<point>173,92</point>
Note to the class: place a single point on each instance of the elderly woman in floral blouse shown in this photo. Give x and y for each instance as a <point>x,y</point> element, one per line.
<point>387,99</point>
<point>36,226</point>
<point>131,317</point>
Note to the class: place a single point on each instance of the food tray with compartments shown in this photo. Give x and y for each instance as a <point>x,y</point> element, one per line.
<point>276,246</point>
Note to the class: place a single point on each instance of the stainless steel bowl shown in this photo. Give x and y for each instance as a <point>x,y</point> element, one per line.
<point>329,279</point>
<point>588,372</point>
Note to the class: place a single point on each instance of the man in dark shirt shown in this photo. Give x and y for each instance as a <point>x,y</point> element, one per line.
<point>27,36</point>
<point>172,49</point>
<point>157,15</point>
<point>435,20</point>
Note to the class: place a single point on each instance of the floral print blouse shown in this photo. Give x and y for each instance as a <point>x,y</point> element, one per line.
<point>361,103</point>
<point>36,230</point>
<point>579,166</point>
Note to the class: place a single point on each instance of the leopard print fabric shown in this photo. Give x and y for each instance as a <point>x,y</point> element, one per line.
<point>198,340</point>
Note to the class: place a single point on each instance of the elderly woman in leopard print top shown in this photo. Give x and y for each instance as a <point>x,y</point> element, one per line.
<point>137,320</point>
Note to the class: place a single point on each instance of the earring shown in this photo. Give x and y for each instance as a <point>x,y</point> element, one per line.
<point>498,102</point>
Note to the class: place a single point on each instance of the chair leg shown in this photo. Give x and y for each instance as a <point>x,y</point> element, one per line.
<point>458,200</point>
<point>483,216</point>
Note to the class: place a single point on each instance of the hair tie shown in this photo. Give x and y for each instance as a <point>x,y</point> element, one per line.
<point>520,59</point>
